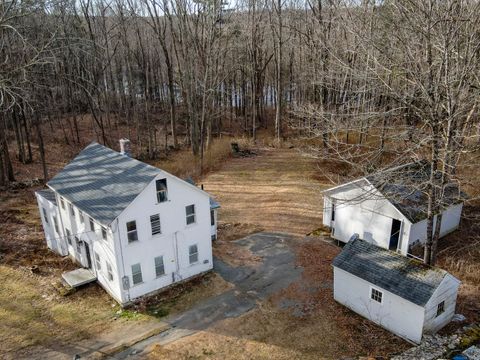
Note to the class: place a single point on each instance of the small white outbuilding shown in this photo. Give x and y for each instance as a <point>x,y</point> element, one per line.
<point>400,294</point>
<point>389,208</point>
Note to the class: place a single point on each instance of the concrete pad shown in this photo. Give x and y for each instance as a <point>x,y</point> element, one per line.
<point>79,277</point>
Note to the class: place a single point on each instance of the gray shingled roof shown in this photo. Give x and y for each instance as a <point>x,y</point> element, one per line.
<point>102,182</point>
<point>405,187</point>
<point>390,271</point>
<point>48,194</point>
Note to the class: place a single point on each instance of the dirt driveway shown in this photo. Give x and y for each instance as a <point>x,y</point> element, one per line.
<point>277,189</point>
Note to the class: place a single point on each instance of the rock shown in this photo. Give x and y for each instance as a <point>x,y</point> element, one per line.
<point>459,318</point>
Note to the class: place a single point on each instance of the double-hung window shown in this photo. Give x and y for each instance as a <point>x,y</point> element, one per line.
<point>104,233</point>
<point>376,295</point>
<point>69,236</point>
<point>98,263</point>
<point>190,214</point>
<point>45,217</point>
<point>109,271</point>
<point>72,210</point>
<point>162,193</point>
<point>55,224</point>
<point>92,224</point>
<point>193,254</point>
<point>155,223</point>
<point>212,217</point>
<point>137,274</point>
<point>79,244</point>
<point>132,234</point>
<point>159,266</point>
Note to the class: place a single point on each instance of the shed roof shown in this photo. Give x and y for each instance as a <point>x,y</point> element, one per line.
<point>102,182</point>
<point>407,278</point>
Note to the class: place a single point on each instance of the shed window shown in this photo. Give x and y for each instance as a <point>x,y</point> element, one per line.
<point>55,224</point>
<point>190,212</point>
<point>132,234</point>
<point>98,263</point>
<point>162,194</point>
<point>72,210</point>
<point>159,267</point>
<point>441,308</point>
<point>137,274</point>
<point>104,233</point>
<point>45,217</point>
<point>69,236</point>
<point>193,254</point>
<point>376,295</point>
<point>109,271</point>
<point>212,217</point>
<point>155,223</point>
<point>92,224</point>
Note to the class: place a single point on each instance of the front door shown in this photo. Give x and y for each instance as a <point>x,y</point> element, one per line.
<point>395,234</point>
<point>87,254</point>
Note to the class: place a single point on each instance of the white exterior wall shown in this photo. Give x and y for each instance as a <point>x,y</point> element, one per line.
<point>447,291</point>
<point>173,243</point>
<point>370,216</point>
<point>55,240</point>
<point>395,314</point>
<point>104,248</point>
<point>450,222</point>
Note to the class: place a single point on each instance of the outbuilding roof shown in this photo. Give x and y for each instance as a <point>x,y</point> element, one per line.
<point>102,182</point>
<point>407,278</point>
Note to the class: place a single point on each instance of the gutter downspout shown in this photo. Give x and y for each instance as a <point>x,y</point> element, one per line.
<point>123,262</point>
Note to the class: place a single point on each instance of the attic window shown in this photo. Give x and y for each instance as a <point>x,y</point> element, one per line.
<point>190,214</point>
<point>440,308</point>
<point>376,295</point>
<point>161,186</point>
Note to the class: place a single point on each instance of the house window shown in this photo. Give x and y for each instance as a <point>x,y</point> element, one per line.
<point>137,274</point>
<point>159,267</point>
<point>333,212</point>
<point>98,264</point>
<point>193,254</point>
<point>440,308</point>
<point>213,237</point>
<point>55,224</point>
<point>132,231</point>
<point>69,236</point>
<point>77,242</point>
<point>72,210</point>
<point>212,217</point>
<point>80,216</point>
<point>162,195</point>
<point>104,233</point>
<point>109,271</point>
<point>190,211</point>
<point>62,203</point>
<point>45,217</point>
<point>155,223</point>
<point>92,224</point>
<point>376,295</point>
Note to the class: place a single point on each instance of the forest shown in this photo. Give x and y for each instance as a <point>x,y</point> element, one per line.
<point>365,83</point>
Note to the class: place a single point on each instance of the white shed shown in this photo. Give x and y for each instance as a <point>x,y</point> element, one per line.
<point>400,294</point>
<point>389,208</point>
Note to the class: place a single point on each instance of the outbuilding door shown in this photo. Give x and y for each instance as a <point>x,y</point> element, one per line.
<point>395,234</point>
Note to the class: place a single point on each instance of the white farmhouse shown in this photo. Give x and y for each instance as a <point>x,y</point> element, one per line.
<point>389,208</point>
<point>137,228</point>
<point>400,294</point>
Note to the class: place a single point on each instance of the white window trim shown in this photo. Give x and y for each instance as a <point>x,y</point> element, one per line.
<point>198,258</point>
<point>159,226</point>
<point>163,262</point>
<point>380,291</point>
<point>127,232</point>
<point>194,215</point>
<point>141,272</point>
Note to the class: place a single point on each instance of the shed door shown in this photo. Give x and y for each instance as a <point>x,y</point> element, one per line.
<point>395,234</point>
